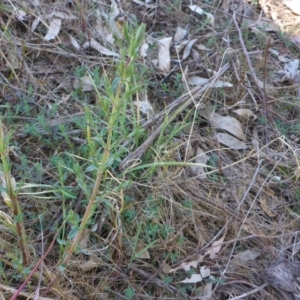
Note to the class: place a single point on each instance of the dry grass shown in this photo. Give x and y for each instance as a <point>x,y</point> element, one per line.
<point>155,215</point>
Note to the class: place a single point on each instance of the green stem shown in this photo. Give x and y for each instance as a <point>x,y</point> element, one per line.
<point>12,202</point>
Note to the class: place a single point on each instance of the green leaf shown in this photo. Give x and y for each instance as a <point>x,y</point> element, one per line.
<point>67,194</point>
<point>129,292</point>
<point>61,242</point>
<point>73,232</point>
<point>91,168</point>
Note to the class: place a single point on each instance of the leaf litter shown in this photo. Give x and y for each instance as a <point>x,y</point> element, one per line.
<point>53,30</point>
<point>228,187</point>
<point>164,57</point>
<point>228,124</point>
<point>94,44</point>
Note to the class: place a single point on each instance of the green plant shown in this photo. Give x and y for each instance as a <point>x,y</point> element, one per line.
<point>105,137</point>
<point>282,127</point>
<point>9,193</point>
<point>129,292</point>
<point>167,279</point>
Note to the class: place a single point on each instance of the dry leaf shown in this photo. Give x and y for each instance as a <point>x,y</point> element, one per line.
<point>243,257</point>
<point>263,24</point>
<point>195,55</point>
<point>188,265</point>
<point>249,229</point>
<point>3,184</point>
<point>262,85</point>
<point>34,24</point>
<point>53,29</point>
<point>41,82</point>
<point>297,172</point>
<point>202,47</point>
<point>201,159</point>
<point>74,43</point>
<point>85,82</point>
<point>141,252</point>
<point>188,48</point>
<point>12,61</point>
<point>291,69</point>
<point>207,291</point>
<point>110,38</point>
<point>104,33</point>
<point>226,5</point>
<point>255,139</point>
<point>189,151</point>
<point>181,46</point>
<point>144,49</point>
<point>265,207</point>
<point>227,123</point>
<point>245,112</point>
<point>269,192</point>
<point>117,27</point>
<point>284,275</point>
<point>4,195</point>
<point>204,273</point>
<point>20,15</point>
<point>94,44</point>
<point>268,201</point>
<point>260,34</point>
<point>145,107</point>
<point>221,83</point>
<point>267,25</point>
<point>114,10</point>
<point>85,236</point>
<point>69,41</point>
<point>230,141</point>
<point>196,80</point>
<point>155,63</point>
<point>296,39</point>
<point>166,269</point>
<point>282,57</point>
<point>92,263</point>
<point>180,34</point>
<point>215,248</point>
<point>164,58</point>
<point>194,279</point>
<point>197,9</point>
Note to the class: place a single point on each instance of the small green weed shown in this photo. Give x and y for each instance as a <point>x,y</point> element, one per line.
<point>129,293</point>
